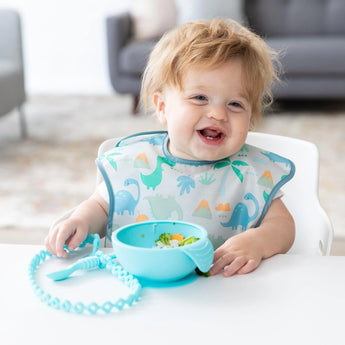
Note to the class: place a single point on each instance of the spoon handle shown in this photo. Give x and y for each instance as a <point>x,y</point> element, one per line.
<point>82,264</point>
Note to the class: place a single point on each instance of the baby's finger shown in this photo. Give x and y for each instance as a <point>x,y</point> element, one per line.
<point>48,246</point>
<point>250,266</point>
<point>234,266</point>
<point>50,242</point>
<point>218,254</point>
<point>62,239</point>
<point>77,238</point>
<point>220,263</point>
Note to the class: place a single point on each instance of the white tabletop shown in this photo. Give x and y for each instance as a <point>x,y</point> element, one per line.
<point>289,299</point>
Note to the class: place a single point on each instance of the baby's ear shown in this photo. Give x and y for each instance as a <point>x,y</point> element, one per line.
<point>158,101</point>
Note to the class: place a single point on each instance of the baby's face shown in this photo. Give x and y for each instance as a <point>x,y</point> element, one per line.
<point>208,119</point>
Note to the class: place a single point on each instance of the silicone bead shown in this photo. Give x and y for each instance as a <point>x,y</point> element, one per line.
<point>115,270</point>
<point>66,305</point>
<point>39,291</point>
<point>107,306</point>
<point>93,308</point>
<point>43,255</point>
<point>43,298</point>
<point>79,307</point>
<point>55,303</point>
<point>130,300</point>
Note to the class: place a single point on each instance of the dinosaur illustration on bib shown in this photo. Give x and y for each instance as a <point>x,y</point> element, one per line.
<point>124,200</point>
<point>240,215</point>
<point>154,179</point>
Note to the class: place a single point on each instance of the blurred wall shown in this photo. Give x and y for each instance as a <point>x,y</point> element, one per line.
<point>64,44</point>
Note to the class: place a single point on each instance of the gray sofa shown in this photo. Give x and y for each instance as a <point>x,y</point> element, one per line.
<point>12,90</point>
<point>310,34</point>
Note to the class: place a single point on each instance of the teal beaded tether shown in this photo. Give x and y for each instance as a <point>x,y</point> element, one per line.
<point>95,259</point>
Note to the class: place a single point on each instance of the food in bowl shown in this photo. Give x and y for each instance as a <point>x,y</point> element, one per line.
<point>166,240</point>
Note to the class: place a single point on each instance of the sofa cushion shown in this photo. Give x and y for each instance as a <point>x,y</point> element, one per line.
<point>207,10</point>
<point>311,55</point>
<point>292,17</point>
<point>133,57</point>
<point>151,18</point>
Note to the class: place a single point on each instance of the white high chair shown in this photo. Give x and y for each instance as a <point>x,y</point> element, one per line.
<point>314,232</point>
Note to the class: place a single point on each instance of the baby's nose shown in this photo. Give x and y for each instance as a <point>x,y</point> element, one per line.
<point>218,112</point>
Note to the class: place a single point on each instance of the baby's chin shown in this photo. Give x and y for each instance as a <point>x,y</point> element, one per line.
<point>212,158</point>
<point>209,157</point>
<point>199,154</point>
<point>196,158</point>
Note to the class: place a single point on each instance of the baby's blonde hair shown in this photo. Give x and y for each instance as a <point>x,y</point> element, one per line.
<point>206,45</point>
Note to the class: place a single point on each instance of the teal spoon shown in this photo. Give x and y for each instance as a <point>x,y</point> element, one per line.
<point>82,264</point>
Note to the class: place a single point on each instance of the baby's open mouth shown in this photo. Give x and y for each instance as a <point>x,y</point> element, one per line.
<point>211,134</point>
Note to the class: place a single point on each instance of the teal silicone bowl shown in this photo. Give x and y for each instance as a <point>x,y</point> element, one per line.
<point>133,245</point>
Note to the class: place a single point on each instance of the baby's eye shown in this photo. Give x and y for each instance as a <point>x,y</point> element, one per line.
<point>235,104</point>
<point>200,98</point>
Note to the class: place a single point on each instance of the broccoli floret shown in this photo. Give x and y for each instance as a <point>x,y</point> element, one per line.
<point>203,274</point>
<point>164,238</point>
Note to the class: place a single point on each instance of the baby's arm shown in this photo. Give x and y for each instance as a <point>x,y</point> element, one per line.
<point>89,217</point>
<point>243,253</point>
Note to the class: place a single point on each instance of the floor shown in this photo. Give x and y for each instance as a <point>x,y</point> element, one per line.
<point>53,169</point>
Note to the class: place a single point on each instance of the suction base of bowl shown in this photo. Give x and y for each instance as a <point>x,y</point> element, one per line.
<point>154,284</point>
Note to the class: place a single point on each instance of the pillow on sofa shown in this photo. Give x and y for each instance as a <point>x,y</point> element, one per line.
<point>209,9</point>
<point>152,17</point>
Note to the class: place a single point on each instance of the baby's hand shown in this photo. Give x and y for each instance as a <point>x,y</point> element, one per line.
<point>71,232</point>
<point>239,254</point>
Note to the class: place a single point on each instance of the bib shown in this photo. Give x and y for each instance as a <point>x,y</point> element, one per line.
<point>145,182</point>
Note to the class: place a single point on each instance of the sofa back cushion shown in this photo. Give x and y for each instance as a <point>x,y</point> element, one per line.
<point>296,17</point>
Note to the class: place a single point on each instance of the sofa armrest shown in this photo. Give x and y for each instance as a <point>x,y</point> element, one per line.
<point>119,33</point>
<point>10,37</point>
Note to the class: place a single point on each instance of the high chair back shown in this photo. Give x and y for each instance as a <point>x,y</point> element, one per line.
<point>314,232</point>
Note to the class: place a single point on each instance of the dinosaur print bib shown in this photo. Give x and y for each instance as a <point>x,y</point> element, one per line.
<point>145,182</point>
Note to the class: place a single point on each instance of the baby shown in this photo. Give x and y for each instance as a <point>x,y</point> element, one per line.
<point>207,82</point>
